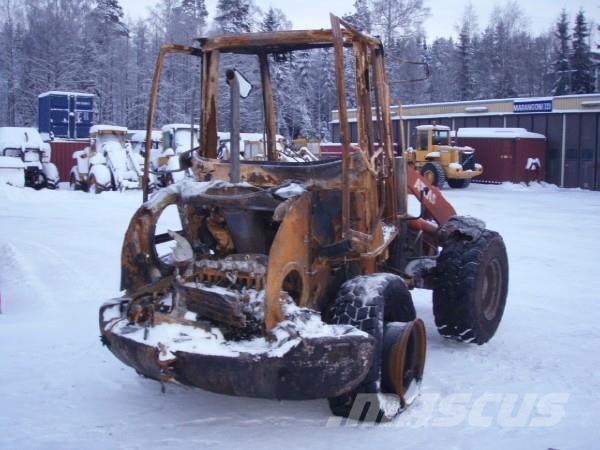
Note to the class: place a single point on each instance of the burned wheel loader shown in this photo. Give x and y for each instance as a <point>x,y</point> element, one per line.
<point>292,280</point>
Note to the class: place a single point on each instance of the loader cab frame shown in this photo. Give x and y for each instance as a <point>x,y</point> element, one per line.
<point>429,136</point>
<point>376,148</point>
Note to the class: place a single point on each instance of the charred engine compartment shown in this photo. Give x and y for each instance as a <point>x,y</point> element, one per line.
<point>218,265</point>
<point>217,269</point>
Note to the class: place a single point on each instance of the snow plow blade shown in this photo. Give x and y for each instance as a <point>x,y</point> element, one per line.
<point>314,368</point>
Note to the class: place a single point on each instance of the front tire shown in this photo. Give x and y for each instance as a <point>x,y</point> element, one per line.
<point>94,187</point>
<point>377,304</point>
<point>36,180</point>
<point>74,183</point>
<point>470,288</point>
<point>434,173</point>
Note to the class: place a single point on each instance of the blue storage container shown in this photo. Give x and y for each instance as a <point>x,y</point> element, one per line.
<point>68,115</point>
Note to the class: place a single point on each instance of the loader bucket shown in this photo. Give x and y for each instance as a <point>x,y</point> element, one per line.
<point>311,368</point>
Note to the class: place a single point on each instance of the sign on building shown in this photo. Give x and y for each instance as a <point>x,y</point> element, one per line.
<point>532,106</point>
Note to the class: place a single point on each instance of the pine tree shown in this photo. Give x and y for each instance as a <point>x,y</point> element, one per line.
<point>195,11</point>
<point>109,16</point>
<point>503,71</point>
<point>561,65</point>
<point>234,16</point>
<point>361,17</point>
<point>270,22</point>
<point>106,31</point>
<point>443,67</point>
<point>464,52</point>
<point>10,65</point>
<point>582,80</point>
<point>465,58</point>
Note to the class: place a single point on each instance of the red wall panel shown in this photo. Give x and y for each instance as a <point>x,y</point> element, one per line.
<point>506,159</point>
<point>62,155</point>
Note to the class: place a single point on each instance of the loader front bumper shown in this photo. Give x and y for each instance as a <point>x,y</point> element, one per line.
<point>307,368</point>
<point>456,171</point>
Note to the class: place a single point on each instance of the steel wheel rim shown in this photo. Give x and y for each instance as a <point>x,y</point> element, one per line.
<point>491,292</point>
<point>429,175</point>
<point>407,360</point>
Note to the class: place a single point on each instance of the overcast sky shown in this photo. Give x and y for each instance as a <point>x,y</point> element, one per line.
<point>444,13</point>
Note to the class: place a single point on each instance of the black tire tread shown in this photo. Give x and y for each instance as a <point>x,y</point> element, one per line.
<point>457,267</point>
<point>440,178</point>
<point>366,310</point>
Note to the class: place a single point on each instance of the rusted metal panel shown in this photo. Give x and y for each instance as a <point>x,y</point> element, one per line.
<point>210,104</point>
<point>269,109</point>
<point>316,368</point>
<point>62,155</point>
<point>290,254</point>
<point>277,42</point>
<point>165,49</point>
<point>325,174</point>
<point>343,114</point>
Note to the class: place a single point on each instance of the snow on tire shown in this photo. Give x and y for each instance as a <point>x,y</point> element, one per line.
<point>362,302</point>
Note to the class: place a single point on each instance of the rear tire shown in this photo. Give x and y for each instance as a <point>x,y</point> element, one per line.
<point>470,288</point>
<point>434,173</point>
<point>75,184</point>
<point>94,187</point>
<point>399,305</point>
<point>38,181</point>
<point>458,183</point>
<point>362,302</point>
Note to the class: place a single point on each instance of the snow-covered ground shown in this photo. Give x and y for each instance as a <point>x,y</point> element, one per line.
<point>60,389</point>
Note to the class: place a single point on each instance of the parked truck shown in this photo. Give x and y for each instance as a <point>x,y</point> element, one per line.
<point>137,139</point>
<point>25,145</point>
<point>108,163</point>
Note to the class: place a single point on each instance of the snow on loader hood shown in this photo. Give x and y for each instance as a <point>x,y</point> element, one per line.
<point>18,137</point>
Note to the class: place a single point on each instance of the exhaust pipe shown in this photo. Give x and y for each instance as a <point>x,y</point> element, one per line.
<point>404,349</point>
<point>234,140</point>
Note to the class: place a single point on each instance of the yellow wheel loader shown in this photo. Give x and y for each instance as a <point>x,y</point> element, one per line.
<point>439,161</point>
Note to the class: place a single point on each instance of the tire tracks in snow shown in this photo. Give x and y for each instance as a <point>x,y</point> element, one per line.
<point>26,269</point>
